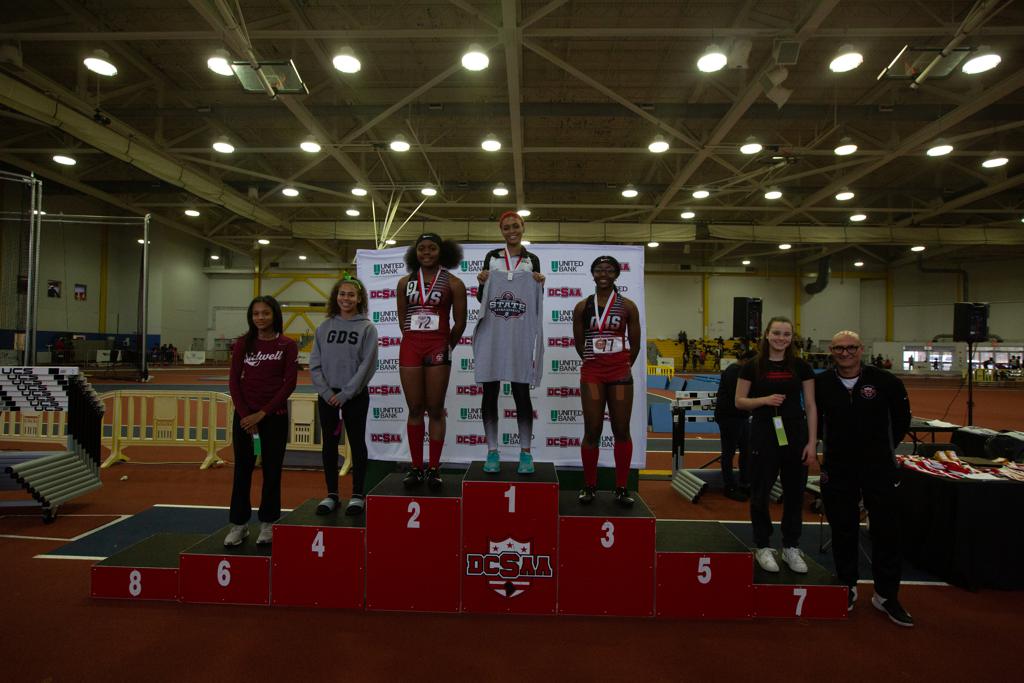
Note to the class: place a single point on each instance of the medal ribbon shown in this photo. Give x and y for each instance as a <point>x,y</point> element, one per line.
<point>424,293</point>
<point>602,318</point>
<point>508,261</point>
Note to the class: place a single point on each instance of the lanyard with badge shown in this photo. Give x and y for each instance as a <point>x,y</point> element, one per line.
<point>780,429</point>
<point>508,263</point>
<point>606,344</point>
<point>424,321</point>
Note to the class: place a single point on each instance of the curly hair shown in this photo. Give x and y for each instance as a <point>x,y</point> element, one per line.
<point>333,308</point>
<point>451,252</point>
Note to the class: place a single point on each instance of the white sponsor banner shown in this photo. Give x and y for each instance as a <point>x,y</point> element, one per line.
<point>558,417</point>
<point>194,357</point>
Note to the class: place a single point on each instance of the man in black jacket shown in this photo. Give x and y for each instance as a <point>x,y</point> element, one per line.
<point>863,412</point>
<point>734,428</point>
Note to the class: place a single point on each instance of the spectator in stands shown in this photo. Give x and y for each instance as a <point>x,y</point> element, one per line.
<point>864,413</point>
<point>264,366</point>
<point>734,425</point>
<point>887,364</point>
<point>58,350</point>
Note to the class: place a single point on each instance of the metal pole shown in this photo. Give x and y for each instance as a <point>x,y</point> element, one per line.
<point>27,352</point>
<point>34,245</point>
<point>144,313</point>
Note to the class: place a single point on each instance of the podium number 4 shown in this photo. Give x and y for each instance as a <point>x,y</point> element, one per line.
<point>414,516</point>
<point>318,543</point>
<point>704,570</point>
<point>801,594</point>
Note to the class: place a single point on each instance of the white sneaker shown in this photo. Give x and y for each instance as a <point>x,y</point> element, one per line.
<point>236,535</point>
<point>794,558</point>
<point>266,534</point>
<point>766,559</point>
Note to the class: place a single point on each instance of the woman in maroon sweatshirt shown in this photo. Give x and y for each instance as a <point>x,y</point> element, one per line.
<point>263,371</point>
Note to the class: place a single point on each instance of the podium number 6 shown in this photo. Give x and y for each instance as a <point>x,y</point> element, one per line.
<point>801,594</point>
<point>704,570</point>
<point>609,535</point>
<point>511,495</point>
<point>224,573</point>
<point>414,515</point>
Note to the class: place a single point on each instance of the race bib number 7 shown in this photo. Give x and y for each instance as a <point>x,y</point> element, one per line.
<point>609,345</point>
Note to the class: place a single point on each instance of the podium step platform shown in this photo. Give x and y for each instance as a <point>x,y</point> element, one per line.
<point>605,557</point>
<point>211,573</point>
<point>510,540</point>
<point>413,546</point>
<point>147,570</point>
<point>319,560</point>
<point>703,571</point>
<point>788,595</point>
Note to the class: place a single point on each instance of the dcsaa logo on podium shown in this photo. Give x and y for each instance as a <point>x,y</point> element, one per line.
<point>511,565</point>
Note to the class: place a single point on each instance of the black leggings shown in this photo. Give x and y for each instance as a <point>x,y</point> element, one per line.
<point>769,460</point>
<point>353,412</point>
<point>273,431</point>
<point>524,413</point>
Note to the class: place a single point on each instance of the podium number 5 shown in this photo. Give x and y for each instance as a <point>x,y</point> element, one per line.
<point>704,570</point>
<point>414,515</point>
<point>801,594</point>
<point>609,535</point>
<point>511,495</point>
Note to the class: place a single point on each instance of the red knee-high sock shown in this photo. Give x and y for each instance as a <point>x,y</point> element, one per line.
<point>623,457</point>
<point>415,434</point>
<point>435,453</point>
<point>589,454</point>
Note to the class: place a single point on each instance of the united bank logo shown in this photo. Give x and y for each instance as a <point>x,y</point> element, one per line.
<point>390,414</point>
<point>566,416</point>
<point>507,306</point>
<point>470,415</point>
<point>568,267</point>
<point>510,567</point>
<point>566,367</point>
<point>385,317</point>
<point>473,315</point>
<point>467,365</point>
<point>509,439</point>
<point>388,269</point>
<point>387,365</point>
<point>471,266</point>
<point>562,317</point>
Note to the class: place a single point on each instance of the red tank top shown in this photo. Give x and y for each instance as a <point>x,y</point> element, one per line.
<point>611,335</point>
<point>434,300</point>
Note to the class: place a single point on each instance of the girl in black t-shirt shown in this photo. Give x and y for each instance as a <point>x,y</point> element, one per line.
<point>782,438</point>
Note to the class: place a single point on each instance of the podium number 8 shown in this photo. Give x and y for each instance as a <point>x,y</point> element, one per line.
<point>135,583</point>
<point>224,573</point>
<point>609,535</point>
<point>704,570</point>
<point>801,594</point>
<point>414,515</point>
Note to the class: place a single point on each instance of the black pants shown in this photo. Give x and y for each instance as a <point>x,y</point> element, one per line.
<point>767,461</point>
<point>735,433</point>
<point>842,487</point>
<point>353,413</point>
<point>273,430</point>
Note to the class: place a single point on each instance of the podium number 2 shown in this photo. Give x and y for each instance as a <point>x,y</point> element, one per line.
<point>801,594</point>
<point>704,570</point>
<point>608,540</point>
<point>511,495</point>
<point>135,583</point>
<point>318,543</point>
<point>414,516</point>
<point>224,573</point>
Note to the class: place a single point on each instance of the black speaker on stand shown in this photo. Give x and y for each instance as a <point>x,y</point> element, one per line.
<point>970,324</point>
<point>746,317</point>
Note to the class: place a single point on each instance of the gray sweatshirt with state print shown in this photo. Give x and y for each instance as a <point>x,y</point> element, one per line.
<point>344,356</point>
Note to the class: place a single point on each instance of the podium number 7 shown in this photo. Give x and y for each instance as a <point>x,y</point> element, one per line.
<point>801,594</point>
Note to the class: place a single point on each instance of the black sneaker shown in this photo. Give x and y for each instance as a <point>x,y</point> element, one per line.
<point>434,480</point>
<point>327,505</point>
<point>413,478</point>
<point>851,598</point>
<point>355,506</point>
<point>622,497</point>
<point>893,609</point>
<point>734,493</point>
<point>587,494</point>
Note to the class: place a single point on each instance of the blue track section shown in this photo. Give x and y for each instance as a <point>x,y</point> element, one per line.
<point>117,537</point>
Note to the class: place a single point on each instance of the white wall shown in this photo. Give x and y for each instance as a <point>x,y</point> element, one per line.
<point>673,304</point>
<point>836,308</point>
<point>872,311</point>
<point>179,291</point>
<point>776,294</point>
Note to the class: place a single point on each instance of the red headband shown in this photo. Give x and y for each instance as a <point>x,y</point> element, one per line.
<point>505,215</point>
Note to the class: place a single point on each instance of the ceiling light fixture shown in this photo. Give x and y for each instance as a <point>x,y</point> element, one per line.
<point>475,59</point>
<point>653,245</point>
<point>214,257</point>
<point>940,149</point>
<point>491,143</point>
<point>302,257</point>
<point>845,195</point>
<point>847,59</point>
<point>858,264</point>
<point>712,60</point>
<point>391,242</point>
<point>64,160</point>
<point>290,192</point>
<point>524,213</point>
<point>352,212</point>
<point>658,145</point>
<point>263,241</point>
<point>751,146</point>
<point>500,190</point>
<point>846,147</point>
<point>99,63</point>
<point>701,193</point>
<point>346,62</point>
<point>774,193</point>
<point>745,262</point>
<point>399,144</point>
<point>995,162</point>
<point>785,246</point>
<point>220,63</point>
<point>428,190</point>
<point>687,215</point>
<point>359,191</point>
<point>629,191</point>
<point>310,145</point>
<point>858,218</point>
<point>191,213</point>
<point>984,60</point>
<point>919,248</point>
<point>223,145</point>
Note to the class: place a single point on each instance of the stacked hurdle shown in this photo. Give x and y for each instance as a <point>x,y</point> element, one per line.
<point>684,482</point>
<point>53,478</point>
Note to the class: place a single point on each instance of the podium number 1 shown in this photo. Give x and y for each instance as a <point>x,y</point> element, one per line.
<point>414,515</point>
<point>704,570</point>
<point>511,495</point>
<point>801,594</point>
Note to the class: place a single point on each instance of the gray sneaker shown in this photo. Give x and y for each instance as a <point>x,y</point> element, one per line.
<point>266,536</point>
<point>236,535</point>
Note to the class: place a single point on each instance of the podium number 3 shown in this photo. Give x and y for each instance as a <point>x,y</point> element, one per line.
<point>801,594</point>
<point>704,570</point>
<point>608,540</point>
<point>414,515</point>
<point>511,495</point>
<point>135,583</point>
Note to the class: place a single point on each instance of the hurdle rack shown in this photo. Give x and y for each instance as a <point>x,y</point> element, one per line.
<point>52,477</point>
